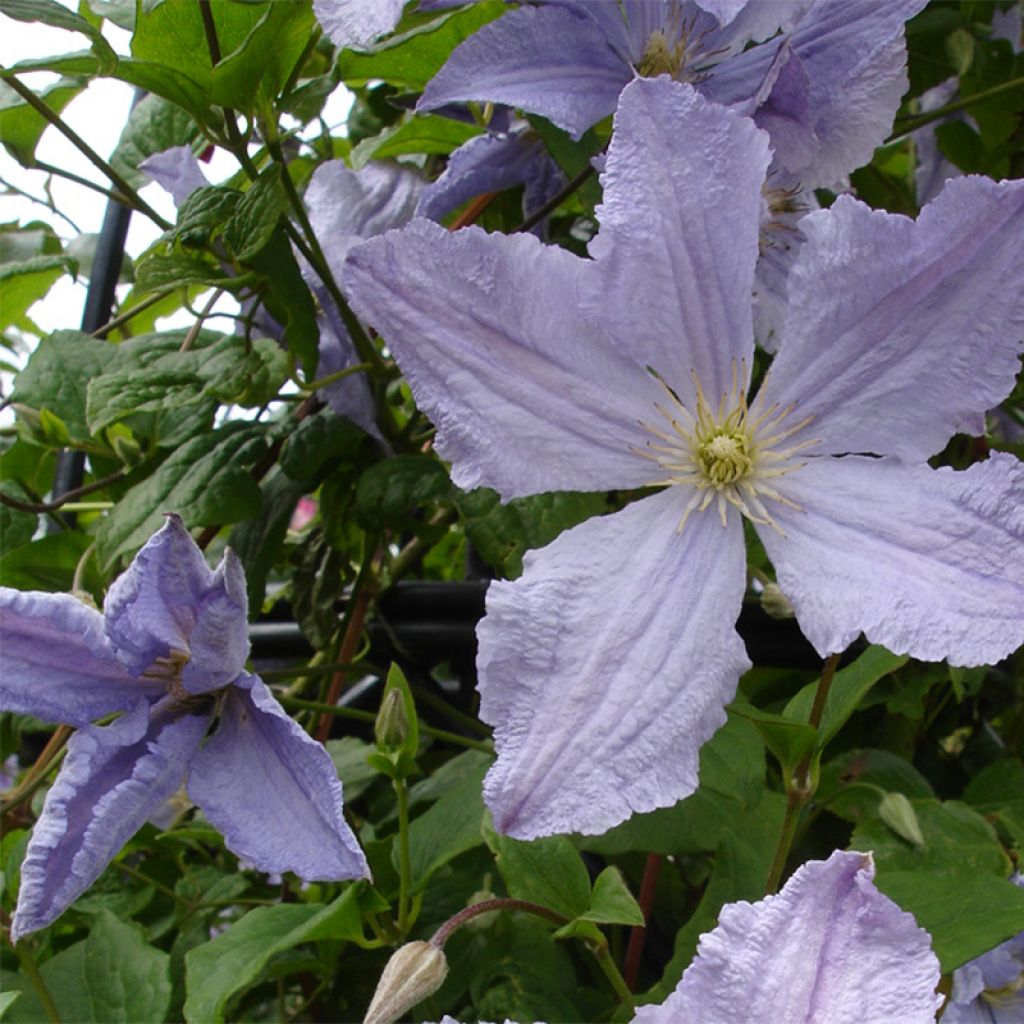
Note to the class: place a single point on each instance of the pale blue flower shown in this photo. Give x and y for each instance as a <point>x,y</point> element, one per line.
<point>608,663</point>
<point>168,653</point>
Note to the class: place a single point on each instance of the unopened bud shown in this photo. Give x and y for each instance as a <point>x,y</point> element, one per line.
<point>415,971</point>
<point>898,813</point>
<point>392,726</point>
<point>775,602</point>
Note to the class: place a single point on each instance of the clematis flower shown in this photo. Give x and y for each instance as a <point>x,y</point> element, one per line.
<point>357,23</point>
<point>168,653</point>
<point>608,663</point>
<point>990,989</point>
<point>829,947</point>
<point>826,89</point>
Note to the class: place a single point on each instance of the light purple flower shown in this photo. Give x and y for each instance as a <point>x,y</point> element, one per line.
<point>357,23</point>
<point>990,989</point>
<point>177,171</point>
<point>828,948</point>
<point>169,653</point>
<point>608,663</point>
<point>826,89</point>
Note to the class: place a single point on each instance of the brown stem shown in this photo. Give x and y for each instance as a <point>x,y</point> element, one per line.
<point>42,508</point>
<point>441,936</point>
<point>35,775</point>
<point>631,967</point>
<point>556,200</point>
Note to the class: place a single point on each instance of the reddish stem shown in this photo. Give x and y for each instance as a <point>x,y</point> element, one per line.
<point>638,934</point>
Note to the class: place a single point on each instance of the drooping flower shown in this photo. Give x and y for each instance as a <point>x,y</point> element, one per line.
<point>829,947</point>
<point>608,663</point>
<point>826,89</point>
<point>168,653</point>
<point>990,989</point>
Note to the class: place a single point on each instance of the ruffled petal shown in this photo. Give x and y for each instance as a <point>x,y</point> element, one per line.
<point>927,562</point>
<point>852,58</point>
<point>357,22</point>
<point>56,662</point>
<point>527,396</point>
<point>113,778</point>
<point>273,792</point>
<point>899,330</point>
<point>679,235</point>
<point>169,604</point>
<point>554,61</point>
<point>607,664</point>
<point>828,948</point>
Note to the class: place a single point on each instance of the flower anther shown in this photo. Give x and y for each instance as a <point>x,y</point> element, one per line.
<point>729,454</point>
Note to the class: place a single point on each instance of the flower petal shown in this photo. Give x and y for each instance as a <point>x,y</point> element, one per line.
<point>852,58</point>
<point>357,22</point>
<point>56,662</point>
<point>829,947</point>
<point>885,310</point>
<point>177,171</point>
<point>169,600</point>
<point>113,778</point>
<point>527,396</point>
<point>607,664</point>
<point>273,792</point>
<point>553,61</point>
<point>927,562</point>
<point>679,235</point>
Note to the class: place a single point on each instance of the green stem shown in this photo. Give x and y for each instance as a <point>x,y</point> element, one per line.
<point>556,200</point>
<point>130,314</point>
<point>905,125</point>
<point>404,856</point>
<point>29,969</point>
<point>800,786</point>
<point>606,962</point>
<point>331,378</point>
<point>369,716</point>
<point>87,151</point>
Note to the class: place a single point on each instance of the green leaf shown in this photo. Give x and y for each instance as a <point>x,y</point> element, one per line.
<point>789,740</point>
<point>206,481</point>
<point>502,534</point>
<point>611,902</point>
<point>45,564</point>
<point>113,396</point>
<point>49,12</point>
<point>16,527</point>
<point>997,791</point>
<point>154,124</point>
<point>263,62</point>
<point>449,827</point>
<point>21,126</point>
<point>413,58</point>
<point>349,756</point>
<point>57,374</point>
<point>955,884</point>
<point>160,271</point>
<point>6,998</point>
<point>204,212</point>
<point>546,871</point>
<point>252,223</point>
<point>26,282</point>
<point>852,784</point>
<point>257,542</point>
<point>288,300</point>
<point>112,975</point>
<point>319,439</point>
<point>389,492</point>
<point>424,134</point>
<point>849,687</point>
<point>219,970</point>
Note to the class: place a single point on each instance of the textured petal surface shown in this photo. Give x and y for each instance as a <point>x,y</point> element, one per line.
<point>553,61</point>
<point>273,792</point>
<point>927,562</point>
<point>177,170</point>
<point>679,234</point>
<point>527,396</point>
<point>898,330</point>
<point>170,600</point>
<point>346,206</point>
<point>828,948</point>
<point>112,779</point>
<point>56,663</point>
<point>607,664</point>
<point>357,22</point>
<point>852,57</point>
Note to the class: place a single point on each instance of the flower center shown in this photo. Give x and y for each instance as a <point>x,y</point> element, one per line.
<point>730,454</point>
<point>168,670</point>
<point>661,57</point>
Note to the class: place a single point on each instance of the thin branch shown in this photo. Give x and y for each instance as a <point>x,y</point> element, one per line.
<point>51,506</point>
<point>911,122</point>
<point>48,203</point>
<point>556,200</point>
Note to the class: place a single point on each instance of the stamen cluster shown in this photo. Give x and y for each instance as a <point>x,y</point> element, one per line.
<point>728,454</point>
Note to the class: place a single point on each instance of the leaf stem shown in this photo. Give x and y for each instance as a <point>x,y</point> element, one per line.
<point>606,962</point>
<point>129,194</point>
<point>556,200</point>
<point>31,971</point>
<point>43,763</point>
<point>52,506</point>
<point>911,122</point>
<point>129,314</point>
<point>441,936</point>
<point>404,855</point>
<point>800,786</point>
